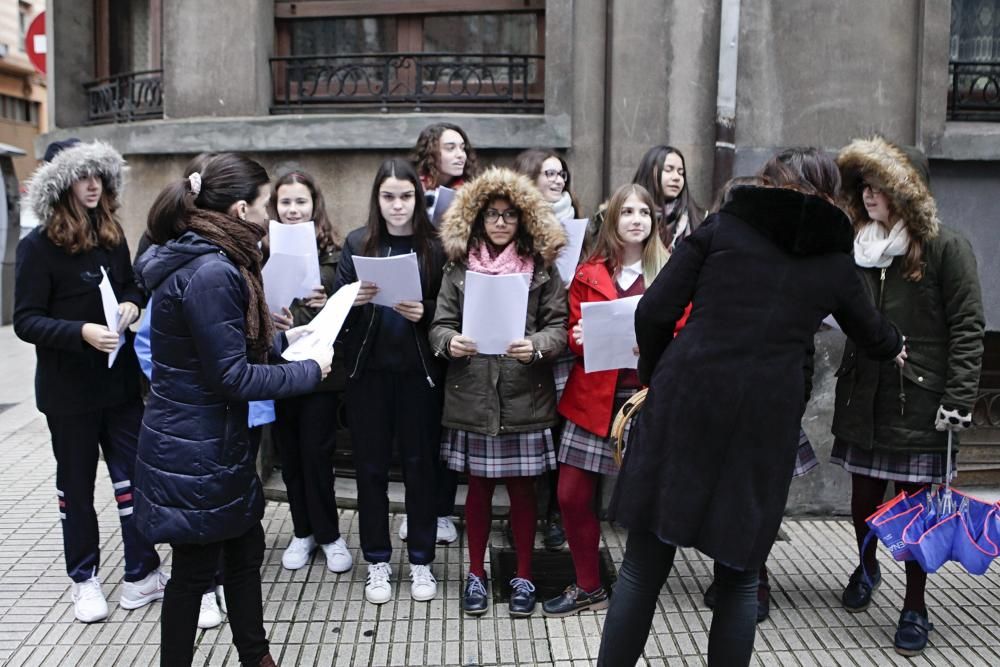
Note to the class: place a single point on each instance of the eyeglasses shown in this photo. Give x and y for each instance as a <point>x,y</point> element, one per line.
<point>876,190</point>
<point>552,173</point>
<point>511,215</point>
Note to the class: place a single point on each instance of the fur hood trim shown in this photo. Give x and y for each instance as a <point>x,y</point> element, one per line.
<point>52,179</point>
<point>537,217</point>
<point>889,166</point>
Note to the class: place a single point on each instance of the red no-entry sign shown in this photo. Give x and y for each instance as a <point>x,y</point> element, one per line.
<point>34,43</point>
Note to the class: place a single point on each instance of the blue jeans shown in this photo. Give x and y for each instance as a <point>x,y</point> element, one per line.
<point>633,602</point>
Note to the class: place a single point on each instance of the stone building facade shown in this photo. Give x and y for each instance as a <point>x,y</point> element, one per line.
<point>334,86</point>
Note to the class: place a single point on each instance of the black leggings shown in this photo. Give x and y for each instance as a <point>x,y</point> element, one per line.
<point>643,572</point>
<point>866,496</point>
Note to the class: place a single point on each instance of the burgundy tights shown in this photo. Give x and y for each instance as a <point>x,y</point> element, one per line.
<point>523,516</point>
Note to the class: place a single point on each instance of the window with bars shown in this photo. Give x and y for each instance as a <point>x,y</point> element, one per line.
<point>974,60</point>
<point>405,56</point>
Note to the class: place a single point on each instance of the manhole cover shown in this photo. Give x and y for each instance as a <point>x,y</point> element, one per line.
<point>552,571</point>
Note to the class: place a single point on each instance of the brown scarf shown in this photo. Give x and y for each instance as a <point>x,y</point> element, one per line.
<point>238,239</point>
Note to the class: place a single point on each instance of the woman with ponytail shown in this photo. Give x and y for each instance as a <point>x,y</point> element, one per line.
<point>196,483</point>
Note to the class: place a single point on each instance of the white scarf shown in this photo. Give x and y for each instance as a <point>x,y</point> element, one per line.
<point>564,208</point>
<point>875,248</point>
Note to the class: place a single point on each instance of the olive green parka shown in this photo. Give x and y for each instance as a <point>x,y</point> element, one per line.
<point>878,405</point>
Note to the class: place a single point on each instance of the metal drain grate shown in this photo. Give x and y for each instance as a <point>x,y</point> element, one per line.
<point>552,572</point>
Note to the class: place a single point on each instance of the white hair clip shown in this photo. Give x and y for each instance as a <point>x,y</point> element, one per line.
<point>195,181</point>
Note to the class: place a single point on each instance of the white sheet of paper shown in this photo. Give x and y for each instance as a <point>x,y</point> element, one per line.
<point>569,256</point>
<point>326,325</point>
<point>609,334</point>
<point>441,204</point>
<point>283,277</point>
<point>110,303</point>
<point>398,278</point>
<point>298,240</point>
<point>495,310</point>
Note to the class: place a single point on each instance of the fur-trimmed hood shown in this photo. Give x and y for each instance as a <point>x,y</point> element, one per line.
<point>537,217</point>
<point>903,179</point>
<point>52,179</point>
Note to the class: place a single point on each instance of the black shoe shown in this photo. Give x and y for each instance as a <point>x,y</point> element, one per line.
<point>522,597</point>
<point>763,600</point>
<point>911,634</point>
<point>474,599</point>
<point>574,600</point>
<point>858,594</point>
<point>711,596</point>
<point>555,536</point>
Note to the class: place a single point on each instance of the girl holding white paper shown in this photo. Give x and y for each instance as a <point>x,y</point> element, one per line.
<point>499,409</point>
<point>306,425</point>
<point>87,404</point>
<point>626,257</point>
<point>196,483</point>
<point>393,385</point>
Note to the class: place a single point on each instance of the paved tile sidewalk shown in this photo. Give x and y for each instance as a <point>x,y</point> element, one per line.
<point>317,618</point>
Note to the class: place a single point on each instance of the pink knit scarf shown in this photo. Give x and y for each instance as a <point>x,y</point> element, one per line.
<point>508,261</point>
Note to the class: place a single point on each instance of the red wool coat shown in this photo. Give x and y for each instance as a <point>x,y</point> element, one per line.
<point>589,397</point>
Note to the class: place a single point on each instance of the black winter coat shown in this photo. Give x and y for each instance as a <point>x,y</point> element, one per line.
<point>711,459</point>
<point>364,319</point>
<point>55,294</point>
<point>196,478</point>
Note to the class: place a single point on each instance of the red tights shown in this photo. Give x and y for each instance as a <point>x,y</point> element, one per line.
<point>523,517</point>
<point>583,531</point>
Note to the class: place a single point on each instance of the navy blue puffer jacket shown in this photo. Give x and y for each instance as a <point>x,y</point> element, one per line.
<point>195,478</point>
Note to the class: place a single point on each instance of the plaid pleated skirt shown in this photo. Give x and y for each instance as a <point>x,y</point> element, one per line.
<point>925,468</point>
<point>582,449</point>
<point>805,456</point>
<point>509,455</point>
<point>561,368</point>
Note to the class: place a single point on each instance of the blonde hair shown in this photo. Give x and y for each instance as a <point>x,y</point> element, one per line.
<point>609,245</point>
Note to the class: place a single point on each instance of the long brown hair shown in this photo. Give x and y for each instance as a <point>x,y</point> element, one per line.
<point>326,237</point>
<point>376,230</point>
<point>71,229</point>
<point>428,150</point>
<point>608,246</point>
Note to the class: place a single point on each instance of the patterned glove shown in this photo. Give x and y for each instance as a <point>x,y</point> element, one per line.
<point>952,419</point>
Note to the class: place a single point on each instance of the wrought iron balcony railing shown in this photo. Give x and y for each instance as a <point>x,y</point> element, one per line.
<point>408,82</point>
<point>974,93</point>
<point>125,97</point>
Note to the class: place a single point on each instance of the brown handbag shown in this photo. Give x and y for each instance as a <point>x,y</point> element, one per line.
<point>627,412</point>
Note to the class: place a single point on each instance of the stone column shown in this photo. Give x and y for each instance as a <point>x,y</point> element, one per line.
<point>215,65</point>
<point>70,60</point>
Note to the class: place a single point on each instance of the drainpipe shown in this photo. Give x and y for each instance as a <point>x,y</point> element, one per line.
<point>609,19</point>
<point>725,101</point>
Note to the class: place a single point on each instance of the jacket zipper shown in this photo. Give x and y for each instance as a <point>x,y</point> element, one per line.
<point>423,362</point>
<point>902,390</point>
<point>854,376</point>
<point>364,341</point>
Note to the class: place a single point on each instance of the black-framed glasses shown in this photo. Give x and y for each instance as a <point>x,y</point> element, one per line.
<point>552,173</point>
<point>511,215</point>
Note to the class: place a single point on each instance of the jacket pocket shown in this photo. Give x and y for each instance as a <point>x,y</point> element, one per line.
<point>926,364</point>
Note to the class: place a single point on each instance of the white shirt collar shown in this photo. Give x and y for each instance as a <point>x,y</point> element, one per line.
<point>628,274</point>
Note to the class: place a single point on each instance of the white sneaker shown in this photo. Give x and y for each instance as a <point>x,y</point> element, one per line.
<point>89,603</point>
<point>338,558</point>
<point>297,553</point>
<point>137,594</point>
<point>446,530</point>
<point>403,529</point>
<point>210,615</point>
<point>423,585</point>
<point>220,593</point>
<point>378,589</point>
